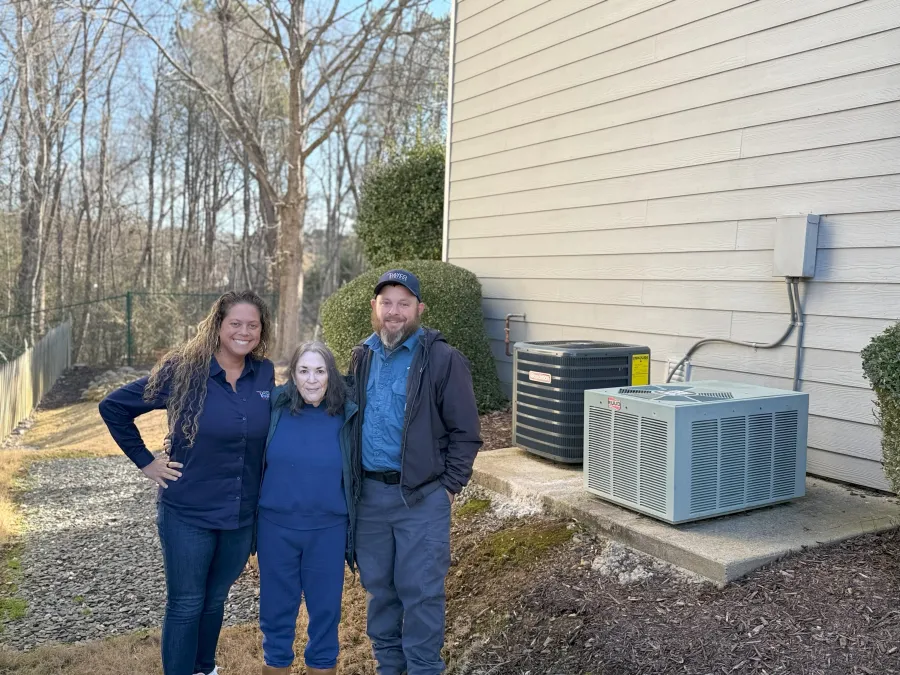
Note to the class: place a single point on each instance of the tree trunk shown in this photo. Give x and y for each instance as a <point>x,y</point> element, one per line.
<point>147,255</point>
<point>293,211</point>
<point>245,235</point>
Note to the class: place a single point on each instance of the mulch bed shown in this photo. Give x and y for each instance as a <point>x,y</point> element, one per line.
<point>67,389</point>
<point>821,612</point>
<point>496,430</point>
<point>825,611</point>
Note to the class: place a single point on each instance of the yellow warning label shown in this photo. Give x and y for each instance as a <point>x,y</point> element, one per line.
<point>640,369</point>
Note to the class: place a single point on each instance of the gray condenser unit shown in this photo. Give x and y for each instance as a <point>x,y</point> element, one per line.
<point>695,450</point>
<point>549,381</point>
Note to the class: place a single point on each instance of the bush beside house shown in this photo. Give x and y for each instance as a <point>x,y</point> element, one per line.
<point>453,299</point>
<point>401,207</point>
<point>881,366</point>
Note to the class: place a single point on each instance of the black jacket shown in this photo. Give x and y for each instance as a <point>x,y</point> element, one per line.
<point>441,430</point>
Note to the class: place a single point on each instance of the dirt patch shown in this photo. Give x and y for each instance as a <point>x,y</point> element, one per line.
<point>496,430</point>
<point>69,386</point>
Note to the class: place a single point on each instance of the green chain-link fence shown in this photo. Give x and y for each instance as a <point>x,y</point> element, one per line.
<point>133,328</point>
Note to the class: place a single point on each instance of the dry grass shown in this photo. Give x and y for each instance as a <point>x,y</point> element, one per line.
<point>239,653</point>
<point>78,431</point>
<point>74,431</point>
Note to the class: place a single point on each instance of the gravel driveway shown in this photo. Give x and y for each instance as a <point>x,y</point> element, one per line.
<point>91,565</point>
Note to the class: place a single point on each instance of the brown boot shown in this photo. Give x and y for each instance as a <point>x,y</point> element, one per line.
<point>269,670</point>
<point>319,671</point>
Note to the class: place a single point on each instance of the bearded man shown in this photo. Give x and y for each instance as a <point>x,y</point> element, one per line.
<point>418,437</point>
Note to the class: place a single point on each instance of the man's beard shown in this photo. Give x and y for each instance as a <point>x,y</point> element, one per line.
<point>393,339</point>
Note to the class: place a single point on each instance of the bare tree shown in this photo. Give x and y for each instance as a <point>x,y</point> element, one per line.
<point>326,61</point>
<point>45,45</point>
<point>154,132</point>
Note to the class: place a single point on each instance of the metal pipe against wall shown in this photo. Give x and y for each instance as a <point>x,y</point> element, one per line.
<point>508,317</point>
<point>798,355</point>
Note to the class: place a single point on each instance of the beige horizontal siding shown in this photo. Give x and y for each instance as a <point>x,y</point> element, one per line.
<point>877,51</point>
<point>585,35</point>
<point>492,55</point>
<point>671,90</point>
<point>868,230</point>
<point>584,135</point>
<point>722,42</point>
<point>826,334</point>
<point>835,265</point>
<point>617,169</point>
<point>873,158</point>
<point>466,9</point>
<point>498,21</point>
<point>840,466</point>
<point>858,125</point>
<point>876,301</point>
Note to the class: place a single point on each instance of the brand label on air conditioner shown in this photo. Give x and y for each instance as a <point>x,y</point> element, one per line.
<point>614,403</point>
<point>543,378</point>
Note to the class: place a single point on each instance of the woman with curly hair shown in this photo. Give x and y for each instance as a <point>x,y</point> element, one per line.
<point>216,389</point>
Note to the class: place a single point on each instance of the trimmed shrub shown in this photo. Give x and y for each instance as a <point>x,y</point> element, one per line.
<point>453,299</point>
<point>881,366</point>
<point>401,206</point>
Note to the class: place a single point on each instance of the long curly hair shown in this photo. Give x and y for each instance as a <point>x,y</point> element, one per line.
<point>185,369</point>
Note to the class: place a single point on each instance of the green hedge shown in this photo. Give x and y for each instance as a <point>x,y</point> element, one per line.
<point>453,299</point>
<point>881,366</point>
<point>401,207</point>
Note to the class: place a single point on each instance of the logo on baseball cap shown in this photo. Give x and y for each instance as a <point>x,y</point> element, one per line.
<point>400,278</point>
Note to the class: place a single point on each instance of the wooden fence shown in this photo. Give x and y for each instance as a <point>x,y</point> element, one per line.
<point>25,380</point>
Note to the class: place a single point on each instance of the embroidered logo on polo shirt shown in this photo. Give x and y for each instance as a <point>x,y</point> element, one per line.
<point>264,395</point>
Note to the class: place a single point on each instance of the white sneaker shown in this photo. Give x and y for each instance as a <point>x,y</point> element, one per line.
<point>215,671</point>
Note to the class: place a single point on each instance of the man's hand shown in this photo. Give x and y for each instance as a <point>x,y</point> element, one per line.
<point>161,469</point>
<point>450,495</point>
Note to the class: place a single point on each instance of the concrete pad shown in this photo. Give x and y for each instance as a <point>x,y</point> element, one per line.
<point>721,549</point>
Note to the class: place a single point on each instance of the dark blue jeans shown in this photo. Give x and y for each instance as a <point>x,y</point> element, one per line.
<point>403,554</point>
<point>201,565</point>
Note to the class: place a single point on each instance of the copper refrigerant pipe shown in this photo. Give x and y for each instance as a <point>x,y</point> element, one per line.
<point>508,317</point>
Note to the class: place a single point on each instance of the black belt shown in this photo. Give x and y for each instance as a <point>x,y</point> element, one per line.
<point>387,477</point>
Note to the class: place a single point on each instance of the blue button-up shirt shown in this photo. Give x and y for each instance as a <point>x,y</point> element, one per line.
<point>386,403</point>
<point>219,486</point>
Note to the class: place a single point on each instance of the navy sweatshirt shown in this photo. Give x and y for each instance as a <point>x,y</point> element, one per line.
<point>219,486</point>
<point>302,487</point>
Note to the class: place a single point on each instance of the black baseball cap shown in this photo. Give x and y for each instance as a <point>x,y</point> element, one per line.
<point>400,278</point>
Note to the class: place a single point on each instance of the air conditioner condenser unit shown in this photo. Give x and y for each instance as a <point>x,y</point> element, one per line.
<point>549,381</point>
<point>691,451</point>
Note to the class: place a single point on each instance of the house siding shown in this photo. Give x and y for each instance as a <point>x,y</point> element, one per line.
<point>616,168</point>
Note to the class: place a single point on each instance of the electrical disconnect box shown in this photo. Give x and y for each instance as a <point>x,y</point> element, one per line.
<point>796,238</point>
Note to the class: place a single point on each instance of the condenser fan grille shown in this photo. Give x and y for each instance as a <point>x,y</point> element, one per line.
<point>676,394</point>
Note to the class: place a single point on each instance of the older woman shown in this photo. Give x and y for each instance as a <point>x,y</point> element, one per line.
<point>306,512</point>
<point>216,389</point>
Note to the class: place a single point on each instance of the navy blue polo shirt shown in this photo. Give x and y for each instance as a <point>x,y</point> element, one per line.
<point>219,486</point>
